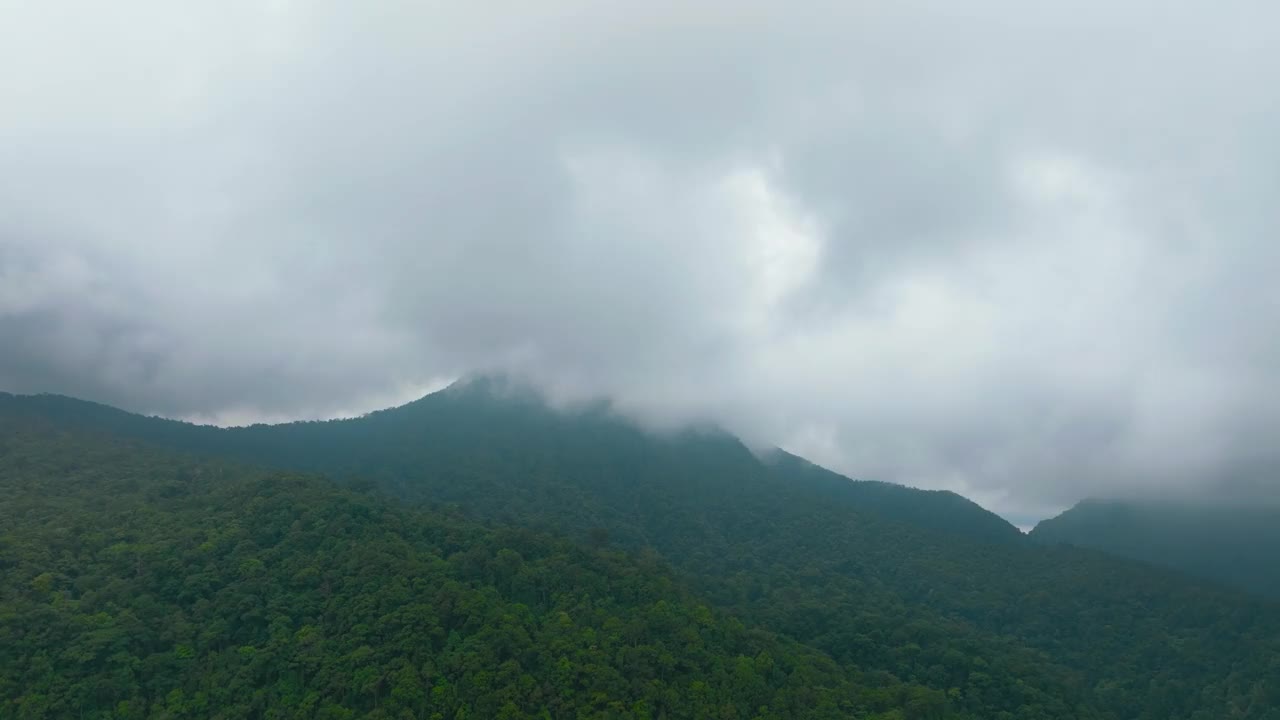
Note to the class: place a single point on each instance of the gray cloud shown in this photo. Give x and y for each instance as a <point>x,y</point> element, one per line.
<point>1020,252</point>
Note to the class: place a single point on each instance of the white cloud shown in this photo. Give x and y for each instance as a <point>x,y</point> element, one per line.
<point>1022,252</point>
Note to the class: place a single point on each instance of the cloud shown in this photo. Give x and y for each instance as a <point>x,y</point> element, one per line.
<point>1019,252</point>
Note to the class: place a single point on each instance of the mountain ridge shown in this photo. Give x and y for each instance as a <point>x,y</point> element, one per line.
<point>503,394</point>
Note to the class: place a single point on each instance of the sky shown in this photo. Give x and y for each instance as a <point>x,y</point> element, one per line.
<point>1023,251</point>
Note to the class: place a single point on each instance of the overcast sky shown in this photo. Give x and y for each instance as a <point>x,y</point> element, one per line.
<point>1025,251</point>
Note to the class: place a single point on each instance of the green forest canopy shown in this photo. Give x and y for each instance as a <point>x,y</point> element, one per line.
<point>914,602</point>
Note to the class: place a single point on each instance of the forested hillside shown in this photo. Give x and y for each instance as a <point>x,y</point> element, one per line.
<point>143,585</point>
<point>930,594</point>
<point>1232,543</point>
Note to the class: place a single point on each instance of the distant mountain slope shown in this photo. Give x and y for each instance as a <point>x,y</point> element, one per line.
<point>994,629</point>
<point>940,510</point>
<point>1234,544</point>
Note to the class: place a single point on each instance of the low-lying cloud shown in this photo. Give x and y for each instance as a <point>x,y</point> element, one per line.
<point>1020,252</point>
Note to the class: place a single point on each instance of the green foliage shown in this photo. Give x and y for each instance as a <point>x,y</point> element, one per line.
<point>152,586</point>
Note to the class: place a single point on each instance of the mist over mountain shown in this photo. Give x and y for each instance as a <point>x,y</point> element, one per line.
<point>905,241</point>
<point>479,438</point>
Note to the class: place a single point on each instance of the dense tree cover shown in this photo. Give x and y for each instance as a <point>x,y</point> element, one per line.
<point>1232,542</point>
<point>919,588</point>
<point>139,585</point>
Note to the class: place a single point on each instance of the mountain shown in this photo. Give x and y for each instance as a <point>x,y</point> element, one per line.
<point>940,510</point>
<point>901,587</point>
<point>145,585</point>
<point>1230,543</point>
<point>494,447</point>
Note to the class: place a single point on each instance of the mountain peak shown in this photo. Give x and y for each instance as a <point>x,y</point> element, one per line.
<point>494,384</point>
